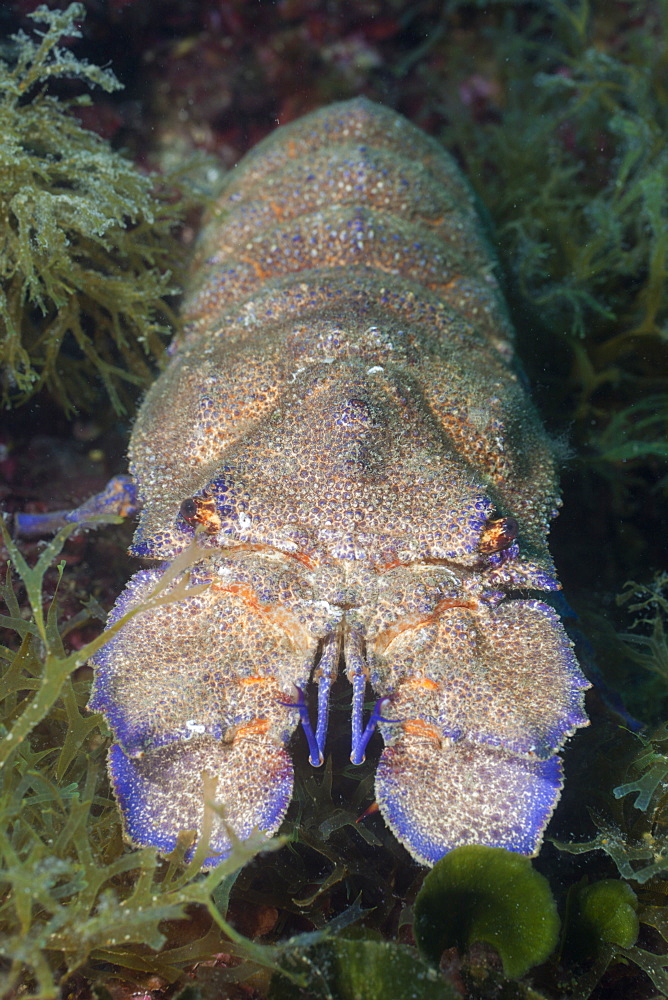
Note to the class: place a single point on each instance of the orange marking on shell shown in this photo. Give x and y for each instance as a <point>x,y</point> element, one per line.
<point>305,560</point>
<point>120,490</point>
<point>254,728</point>
<point>453,283</point>
<point>422,682</point>
<point>277,616</point>
<point>448,603</point>
<point>387,637</point>
<point>416,727</point>
<point>260,271</point>
<point>245,547</point>
<point>384,567</point>
<point>242,590</point>
<point>439,289</point>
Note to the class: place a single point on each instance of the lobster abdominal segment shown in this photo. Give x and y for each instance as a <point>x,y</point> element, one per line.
<point>343,428</point>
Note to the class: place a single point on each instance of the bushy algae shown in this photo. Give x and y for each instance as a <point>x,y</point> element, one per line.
<point>87,241</point>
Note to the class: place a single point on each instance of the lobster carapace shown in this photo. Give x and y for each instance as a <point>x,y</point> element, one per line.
<point>344,427</point>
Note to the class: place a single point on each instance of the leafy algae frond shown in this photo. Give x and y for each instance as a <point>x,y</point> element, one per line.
<point>575,174</point>
<point>633,832</point>
<point>574,170</point>
<point>639,848</point>
<point>71,896</point>
<point>85,241</point>
<point>649,602</point>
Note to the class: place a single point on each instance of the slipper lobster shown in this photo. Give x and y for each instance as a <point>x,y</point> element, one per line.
<point>345,427</point>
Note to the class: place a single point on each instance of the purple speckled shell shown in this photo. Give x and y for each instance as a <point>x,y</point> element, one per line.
<point>340,427</point>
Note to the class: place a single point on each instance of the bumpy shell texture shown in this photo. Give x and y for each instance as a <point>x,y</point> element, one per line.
<point>345,429</point>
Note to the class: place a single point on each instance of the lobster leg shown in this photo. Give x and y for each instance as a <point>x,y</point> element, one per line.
<point>325,675</point>
<point>376,717</point>
<point>119,497</point>
<point>315,754</point>
<point>356,669</point>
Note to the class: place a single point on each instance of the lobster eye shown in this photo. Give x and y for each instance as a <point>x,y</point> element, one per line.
<point>188,510</point>
<point>498,535</point>
<point>201,511</point>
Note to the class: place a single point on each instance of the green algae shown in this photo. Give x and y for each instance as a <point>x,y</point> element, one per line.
<point>87,241</point>
<point>646,643</point>
<point>605,912</point>
<point>573,167</point>
<point>580,190</point>
<point>344,969</point>
<point>602,925</point>
<point>591,319</point>
<point>72,896</point>
<point>636,841</point>
<point>478,893</point>
<point>75,900</point>
<point>647,772</point>
<point>636,860</point>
